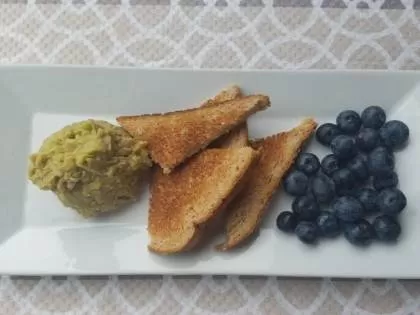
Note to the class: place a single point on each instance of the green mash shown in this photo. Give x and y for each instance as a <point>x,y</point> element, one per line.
<point>92,166</point>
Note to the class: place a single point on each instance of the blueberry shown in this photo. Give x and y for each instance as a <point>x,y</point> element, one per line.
<point>385,180</point>
<point>363,156</point>
<point>391,201</point>
<point>359,232</point>
<point>373,117</point>
<point>330,164</point>
<point>358,168</point>
<point>323,188</point>
<point>367,197</point>
<point>343,179</point>
<point>345,192</point>
<point>328,224</point>
<point>380,160</point>
<point>348,209</point>
<point>326,133</point>
<point>367,139</point>
<point>344,147</point>
<point>286,221</point>
<point>306,207</point>
<point>349,122</point>
<point>386,228</point>
<point>394,134</point>
<point>296,183</point>
<point>307,163</point>
<point>307,232</point>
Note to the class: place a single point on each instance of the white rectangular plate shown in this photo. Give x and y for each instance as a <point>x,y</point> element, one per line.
<point>39,236</point>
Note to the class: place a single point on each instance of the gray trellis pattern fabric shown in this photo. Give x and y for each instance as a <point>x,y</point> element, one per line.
<point>244,34</point>
<point>250,34</point>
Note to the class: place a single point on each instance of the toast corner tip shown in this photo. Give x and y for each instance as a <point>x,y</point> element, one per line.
<point>310,121</point>
<point>121,120</point>
<point>151,249</point>
<point>265,99</point>
<point>227,245</point>
<point>234,88</point>
<point>159,250</point>
<point>221,247</point>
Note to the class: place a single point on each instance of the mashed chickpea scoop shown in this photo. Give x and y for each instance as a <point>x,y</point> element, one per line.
<point>92,166</point>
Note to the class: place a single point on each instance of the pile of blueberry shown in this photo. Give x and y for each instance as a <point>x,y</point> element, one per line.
<point>354,189</point>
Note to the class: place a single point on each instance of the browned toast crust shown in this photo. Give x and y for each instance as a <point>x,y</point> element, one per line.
<point>237,137</point>
<point>193,194</point>
<point>278,153</point>
<point>175,136</point>
<point>230,93</point>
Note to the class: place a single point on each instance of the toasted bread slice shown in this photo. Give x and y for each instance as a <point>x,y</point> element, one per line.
<point>238,137</point>
<point>185,200</point>
<point>175,136</point>
<point>278,153</point>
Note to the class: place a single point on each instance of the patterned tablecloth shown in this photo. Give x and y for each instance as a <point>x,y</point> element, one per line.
<point>261,34</point>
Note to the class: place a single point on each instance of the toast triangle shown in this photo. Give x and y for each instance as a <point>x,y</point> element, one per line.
<point>175,136</point>
<point>277,154</point>
<point>184,201</point>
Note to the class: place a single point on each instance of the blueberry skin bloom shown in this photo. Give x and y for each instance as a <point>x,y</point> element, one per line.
<point>391,201</point>
<point>349,122</point>
<point>307,232</point>
<point>296,183</point>
<point>343,179</point>
<point>368,198</point>
<point>359,168</point>
<point>348,209</point>
<point>307,163</point>
<point>394,134</point>
<point>385,180</point>
<point>344,147</point>
<point>387,228</point>
<point>380,160</point>
<point>359,233</point>
<point>286,221</point>
<point>306,207</point>
<point>367,139</point>
<point>329,164</point>
<point>373,117</point>
<point>323,188</point>
<point>328,224</point>
<point>326,133</point>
